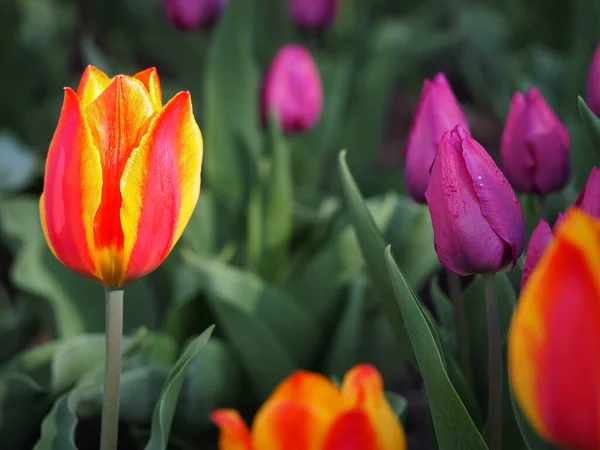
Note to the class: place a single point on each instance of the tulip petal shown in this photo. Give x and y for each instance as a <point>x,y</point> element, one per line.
<point>498,202</point>
<point>589,198</point>
<point>160,186</point>
<point>464,241</point>
<point>517,157</point>
<point>555,335</point>
<point>150,80</point>
<point>234,434</point>
<point>93,82</point>
<point>117,119</point>
<point>353,431</point>
<point>72,190</point>
<point>539,241</point>
<point>363,387</point>
<point>285,425</point>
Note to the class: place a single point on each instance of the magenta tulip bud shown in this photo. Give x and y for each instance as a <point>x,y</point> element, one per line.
<point>593,83</point>
<point>540,239</point>
<point>478,224</point>
<point>589,199</point>
<point>437,111</point>
<point>313,14</point>
<point>535,146</point>
<point>293,90</point>
<point>558,222</point>
<point>193,14</point>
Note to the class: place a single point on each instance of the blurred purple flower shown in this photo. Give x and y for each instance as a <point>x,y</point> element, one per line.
<point>437,111</point>
<point>589,198</point>
<point>540,239</point>
<point>313,14</point>
<point>593,83</point>
<point>192,14</point>
<point>293,89</point>
<point>477,220</point>
<point>535,146</point>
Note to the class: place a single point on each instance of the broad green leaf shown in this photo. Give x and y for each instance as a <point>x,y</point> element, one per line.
<point>278,205</point>
<point>165,408</point>
<point>454,427</point>
<point>591,122</point>
<point>77,304</point>
<point>372,246</point>
<point>231,109</point>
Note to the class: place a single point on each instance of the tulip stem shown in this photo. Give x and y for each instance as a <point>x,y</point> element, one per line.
<point>460,323</point>
<point>112,368</point>
<point>495,363</point>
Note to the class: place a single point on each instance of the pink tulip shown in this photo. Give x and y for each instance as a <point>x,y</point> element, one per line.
<point>313,14</point>
<point>437,111</point>
<point>192,14</point>
<point>293,90</point>
<point>478,224</point>
<point>535,146</point>
<point>540,239</point>
<point>589,199</point>
<point>593,83</point>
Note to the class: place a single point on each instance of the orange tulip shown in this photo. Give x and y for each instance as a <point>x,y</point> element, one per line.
<point>308,412</point>
<point>554,341</point>
<point>122,176</point>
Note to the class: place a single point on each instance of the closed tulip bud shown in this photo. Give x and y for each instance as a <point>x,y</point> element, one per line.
<point>313,14</point>
<point>437,111</point>
<point>535,146</point>
<point>478,224</point>
<point>593,83</point>
<point>559,220</point>
<point>122,176</point>
<point>554,362</point>
<point>540,239</point>
<point>307,411</point>
<point>293,90</point>
<point>193,14</point>
<point>589,199</point>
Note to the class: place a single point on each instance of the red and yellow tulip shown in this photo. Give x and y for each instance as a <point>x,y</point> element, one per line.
<point>122,176</point>
<point>308,412</point>
<point>554,341</point>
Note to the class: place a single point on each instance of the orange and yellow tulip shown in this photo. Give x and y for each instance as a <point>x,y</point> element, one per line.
<point>122,176</point>
<point>554,340</point>
<point>308,412</point>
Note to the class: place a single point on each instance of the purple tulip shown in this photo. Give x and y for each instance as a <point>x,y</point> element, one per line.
<point>478,224</point>
<point>313,14</point>
<point>540,239</point>
<point>589,199</point>
<point>593,83</point>
<point>437,111</point>
<point>559,220</point>
<point>535,146</point>
<point>193,14</point>
<point>293,89</point>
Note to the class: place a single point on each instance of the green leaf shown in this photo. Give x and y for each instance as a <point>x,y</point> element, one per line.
<point>590,121</point>
<point>19,164</point>
<point>165,408</point>
<point>398,404</point>
<point>372,246</point>
<point>454,427</point>
<point>231,109</point>
<point>250,311</point>
<point>77,304</point>
<point>278,205</point>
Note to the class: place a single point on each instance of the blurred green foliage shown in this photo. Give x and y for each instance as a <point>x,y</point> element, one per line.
<point>271,255</point>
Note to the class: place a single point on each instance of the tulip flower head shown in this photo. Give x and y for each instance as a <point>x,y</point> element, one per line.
<point>593,83</point>
<point>540,239</point>
<point>193,14</point>
<point>313,14</point>
<point>535,146</point>
<point>589,199</point>
<point>293,90</point>
<point>307,412</point>
<point>437,111</point>
<point>478,224</point>
<point>122,176</point>
<point>554,339</point>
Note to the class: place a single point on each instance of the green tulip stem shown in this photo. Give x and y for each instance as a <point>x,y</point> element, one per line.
<point>112,368</point>
<point>495,363</point>
<point>460,323</point>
